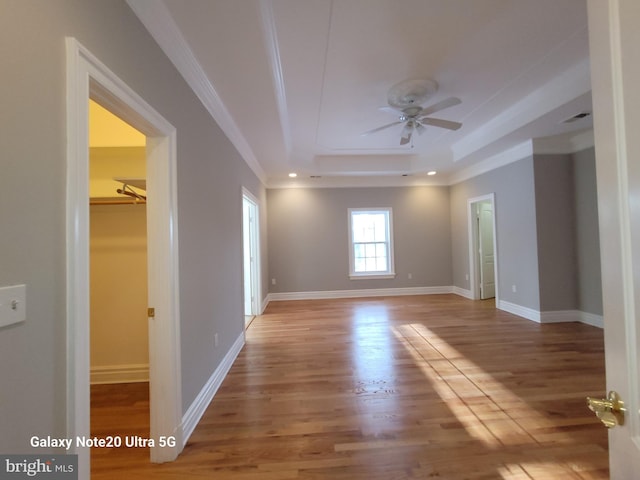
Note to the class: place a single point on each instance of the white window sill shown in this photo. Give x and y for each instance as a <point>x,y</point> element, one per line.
<point>371,276</point>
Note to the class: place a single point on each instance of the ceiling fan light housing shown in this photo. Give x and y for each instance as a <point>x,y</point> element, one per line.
<point>411,92</point>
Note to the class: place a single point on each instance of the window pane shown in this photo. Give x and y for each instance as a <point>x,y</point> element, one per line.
<point>370,249</point>
<point>359,265</point>
<point>379,225</point>
<point>358,250</point>
<point>370,264</point>
<point>381,249</point>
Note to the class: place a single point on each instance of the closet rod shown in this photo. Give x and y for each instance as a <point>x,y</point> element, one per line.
<point>116,201</point>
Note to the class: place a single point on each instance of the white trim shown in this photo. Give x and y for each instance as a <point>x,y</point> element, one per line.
<point>257,267</point>
<point>567,143</point>
<point>273,52</point>
<point>390,272</point>
<point>592,319</point>
<point>265,304</point>
<point>119,374</point>
<point>463,292</point>
<point>370,292</point>
<point>199,406</point>
<point>511,155</point>
<point>560,316</point>
<point>372,276</point>
<point>524,312</point>
<point>569,85</point>
<point>552,316</point>
<point>471,234</point>
<point>88,77</point>
<point>159,22</point>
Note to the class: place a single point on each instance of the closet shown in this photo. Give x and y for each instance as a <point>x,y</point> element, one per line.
<point>118,252</point>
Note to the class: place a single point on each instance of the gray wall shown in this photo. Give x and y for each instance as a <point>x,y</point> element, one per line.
<point>587,233</point>
<point>32,202</point>
<point>547,231</point>
<point>556,232</point>
<point>515,218</point>
<point>308,237</point>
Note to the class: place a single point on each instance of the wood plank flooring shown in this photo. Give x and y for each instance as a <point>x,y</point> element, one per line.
<point>417,387</point>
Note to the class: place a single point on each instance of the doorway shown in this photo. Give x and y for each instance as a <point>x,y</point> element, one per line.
<point>483,258</point>
<point>88,78</point>
<point>250,255</point>
<point>119,348</point>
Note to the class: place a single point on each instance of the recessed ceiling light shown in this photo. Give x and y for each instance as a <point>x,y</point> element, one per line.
<point>293,175</point>
<point>432,172</point>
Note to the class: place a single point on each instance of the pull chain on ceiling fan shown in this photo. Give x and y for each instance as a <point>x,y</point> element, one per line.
<point>405,100</point>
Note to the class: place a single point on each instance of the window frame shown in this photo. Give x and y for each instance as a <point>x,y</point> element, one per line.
<point>390,272</point>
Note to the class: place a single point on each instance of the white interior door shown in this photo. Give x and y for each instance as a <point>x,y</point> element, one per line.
<point>486,253</point>
<point>251,264</point>
<point>483,248</point>
<point>615,75</point>
<point>246,250</point>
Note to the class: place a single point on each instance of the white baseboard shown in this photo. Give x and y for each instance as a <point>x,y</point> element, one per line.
<point>198,407</point>
<point>369,292</point>
<point>524,312</point>
<point>557,316</point>
<point>119,374</point>
<point>560,316</point>
<point>463,292</point>
<point>592,319</point>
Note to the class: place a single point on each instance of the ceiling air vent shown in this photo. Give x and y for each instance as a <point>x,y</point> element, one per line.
<point>576,117</point>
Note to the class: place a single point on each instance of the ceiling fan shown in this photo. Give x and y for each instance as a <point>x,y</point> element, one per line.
<point>405,100</point>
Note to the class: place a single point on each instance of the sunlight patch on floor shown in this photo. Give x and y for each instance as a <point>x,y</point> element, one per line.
<point>469,393</point>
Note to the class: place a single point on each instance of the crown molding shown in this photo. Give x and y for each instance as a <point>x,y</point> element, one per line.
<point>571,84</point>
<point>271,45</point>
<point>564,144</point>
<point>158,21</point>
<point>511,155</point>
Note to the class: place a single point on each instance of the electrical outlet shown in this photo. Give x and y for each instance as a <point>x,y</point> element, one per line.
<point>514,289</point>
<point>467,277</point>
<point>13,304</point>
<point>273,281</point>
<point>409,276</point>
<point>215,340</point>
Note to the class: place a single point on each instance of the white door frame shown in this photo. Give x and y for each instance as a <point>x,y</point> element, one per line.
<point>473,251</point>
<point>254,238</point>
<point>88,78</point>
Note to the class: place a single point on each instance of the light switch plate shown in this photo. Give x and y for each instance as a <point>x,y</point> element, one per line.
<point>13,307</point>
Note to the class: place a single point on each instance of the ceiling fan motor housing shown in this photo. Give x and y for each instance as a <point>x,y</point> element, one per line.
<point>412,92</point>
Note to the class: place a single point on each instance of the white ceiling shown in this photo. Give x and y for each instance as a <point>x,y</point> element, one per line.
<point>294,83</point>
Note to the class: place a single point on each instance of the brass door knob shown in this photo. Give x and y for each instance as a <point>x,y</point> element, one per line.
<point>609,410</point>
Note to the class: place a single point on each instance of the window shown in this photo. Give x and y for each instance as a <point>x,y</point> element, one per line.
<point>370,243</point>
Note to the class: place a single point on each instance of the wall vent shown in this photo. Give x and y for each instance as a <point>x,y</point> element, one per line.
<point>577,117</point>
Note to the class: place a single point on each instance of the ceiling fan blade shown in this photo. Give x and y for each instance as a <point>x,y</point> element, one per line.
<point>437,122</point>
<point>380,128</point>
<point>391,110</point>
<point>405,140</point>
<point>436,107</point>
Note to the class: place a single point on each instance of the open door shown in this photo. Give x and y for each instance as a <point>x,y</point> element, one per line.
<point>485,249</point>
<point>251,264</point>
<point>615,75</point>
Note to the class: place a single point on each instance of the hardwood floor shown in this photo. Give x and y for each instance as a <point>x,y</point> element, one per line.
<point>414,387</point>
